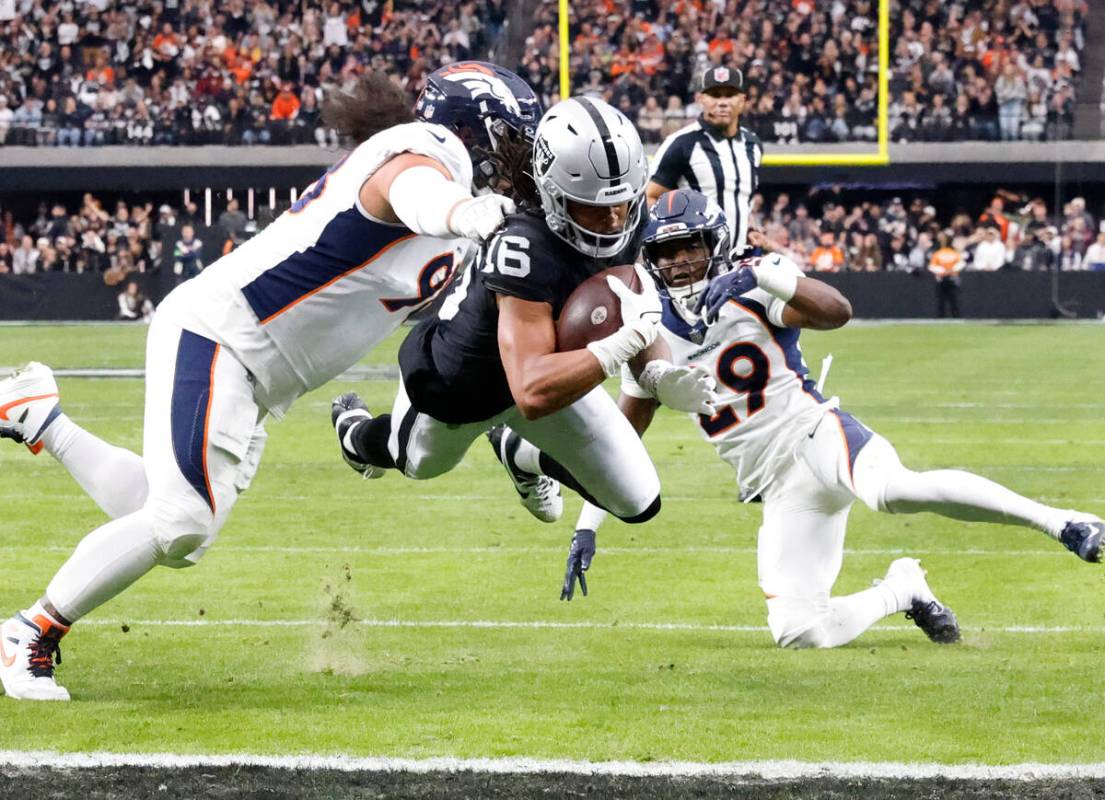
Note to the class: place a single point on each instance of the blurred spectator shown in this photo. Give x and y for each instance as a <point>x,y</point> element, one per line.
<point>827,256</point>
<point>1095,254</point>
<point>188,254</point>
<point>946,263</point>
<point>989,254</point>
<point>234,222</point>
<point>25,258</point>
<point>134,305</point>
<point>5,258</point>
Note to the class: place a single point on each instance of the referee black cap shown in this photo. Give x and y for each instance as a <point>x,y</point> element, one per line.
<point>722,76</point>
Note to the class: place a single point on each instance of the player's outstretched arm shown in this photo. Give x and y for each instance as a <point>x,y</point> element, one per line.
<point>816,305</point>
<point>541,380</point>
<point>809,303</point>
<point>420,192</point>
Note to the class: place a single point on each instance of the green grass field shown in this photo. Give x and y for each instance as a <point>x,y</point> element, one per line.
<point>264,664</point>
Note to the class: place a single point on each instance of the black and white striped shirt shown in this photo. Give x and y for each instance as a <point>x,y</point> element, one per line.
<point>727,170</point>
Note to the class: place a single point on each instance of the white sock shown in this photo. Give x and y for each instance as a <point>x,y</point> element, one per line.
<point>590,518</point>
<point>38,610</point>
<point>963,495</point>
<point>113,477</point>
<point>852,614</point>
<point>527,457</point>
<point>106,562</point>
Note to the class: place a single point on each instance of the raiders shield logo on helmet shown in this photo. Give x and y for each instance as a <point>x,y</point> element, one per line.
<point>542,156</point>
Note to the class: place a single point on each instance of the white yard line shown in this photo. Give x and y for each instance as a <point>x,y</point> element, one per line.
<point>620,551</point>
<point>765,770</point>
<point>540,624</point>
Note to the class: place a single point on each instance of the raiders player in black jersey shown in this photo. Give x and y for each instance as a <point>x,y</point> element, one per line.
<point>489,356</point>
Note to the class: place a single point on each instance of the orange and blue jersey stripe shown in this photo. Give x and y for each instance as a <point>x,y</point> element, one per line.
<point>190,410</point>
<point>349,242</point>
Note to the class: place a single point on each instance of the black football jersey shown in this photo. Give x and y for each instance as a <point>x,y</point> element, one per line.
<point>450,363</point>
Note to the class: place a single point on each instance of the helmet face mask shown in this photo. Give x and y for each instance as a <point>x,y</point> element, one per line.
<point>588,154</point>
<point>685,246</point>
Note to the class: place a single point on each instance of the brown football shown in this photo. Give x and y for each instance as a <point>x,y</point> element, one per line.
<point>593,311</point>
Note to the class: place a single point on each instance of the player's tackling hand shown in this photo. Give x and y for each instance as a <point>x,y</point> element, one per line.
<point>690,389</point>
<point>579,561</point>
<point>724,288</point>
<point>479,217</point>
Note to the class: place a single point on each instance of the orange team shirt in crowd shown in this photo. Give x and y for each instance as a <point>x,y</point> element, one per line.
<point>163,41</point>
<point>827,259</point>
<point>946,262</point>
<point>285,106</point>
<point>101,76</point>
<point>998,219</point>
<point>718,46</point>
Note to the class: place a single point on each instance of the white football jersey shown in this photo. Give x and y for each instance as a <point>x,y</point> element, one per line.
<point>309,295</point>
<point>768,403</point>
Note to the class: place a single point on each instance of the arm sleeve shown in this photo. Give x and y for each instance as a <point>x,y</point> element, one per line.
<point>631,387</point>
<point>670,162</point>
<point>774,305</point>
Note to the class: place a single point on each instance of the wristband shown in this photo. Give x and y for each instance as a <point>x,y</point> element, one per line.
<point>776,282</point>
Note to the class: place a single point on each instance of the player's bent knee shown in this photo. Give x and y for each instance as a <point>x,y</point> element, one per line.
<point>796,624</point>
<point>181,529</point>
<point>643,516</point>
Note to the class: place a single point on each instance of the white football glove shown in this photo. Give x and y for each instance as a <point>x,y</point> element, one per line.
<point>479,217</point>
<point>640,323</point>
<point>689,389</point>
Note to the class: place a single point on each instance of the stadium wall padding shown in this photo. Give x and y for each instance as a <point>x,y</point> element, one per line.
<point>1003,295</point>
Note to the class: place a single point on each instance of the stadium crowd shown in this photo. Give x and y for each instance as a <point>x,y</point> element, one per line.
<point>821,230</point>
<point>982,70</point>
<point>196,72</point>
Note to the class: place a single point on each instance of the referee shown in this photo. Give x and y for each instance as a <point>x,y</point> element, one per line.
<point>714,154</point>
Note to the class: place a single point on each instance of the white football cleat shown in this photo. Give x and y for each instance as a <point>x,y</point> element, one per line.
<point>929,614</point>
<point>27,651</point>
<point>539,494</point>
<point>346,411</point>
<point>28,404</point>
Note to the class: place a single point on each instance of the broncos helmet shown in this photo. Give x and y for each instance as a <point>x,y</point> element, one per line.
<point>685,217</point>
<point>483,104</point>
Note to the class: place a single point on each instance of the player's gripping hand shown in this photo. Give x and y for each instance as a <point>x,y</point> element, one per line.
<point>479,217</point>
<point>640,312</point>
<point>579,561</point>
<point>724,288</point>
<point>690,389</point>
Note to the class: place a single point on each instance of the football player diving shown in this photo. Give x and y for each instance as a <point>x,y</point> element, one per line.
<point>806,458</point>
<point>489,356</point>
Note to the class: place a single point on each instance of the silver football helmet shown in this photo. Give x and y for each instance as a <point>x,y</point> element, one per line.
<point>588,152</point>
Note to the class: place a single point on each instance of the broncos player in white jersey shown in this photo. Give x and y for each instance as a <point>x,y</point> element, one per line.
<point>376,238</point>
<point>490,357</point>
<point>806,458</point>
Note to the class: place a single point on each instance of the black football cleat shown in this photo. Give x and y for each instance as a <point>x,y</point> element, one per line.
<point>936,620</point>
<point>1084,539</point>
<point>346,411</point>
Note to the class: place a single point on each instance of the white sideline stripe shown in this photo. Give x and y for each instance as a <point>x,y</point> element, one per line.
<point>764,770</point>
<point>620,551</point>
<point>538,624</point>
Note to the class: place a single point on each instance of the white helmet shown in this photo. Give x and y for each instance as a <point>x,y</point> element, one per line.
<point>587,151</point>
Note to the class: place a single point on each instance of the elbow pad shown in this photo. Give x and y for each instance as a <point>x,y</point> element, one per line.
<point>424,199</point>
